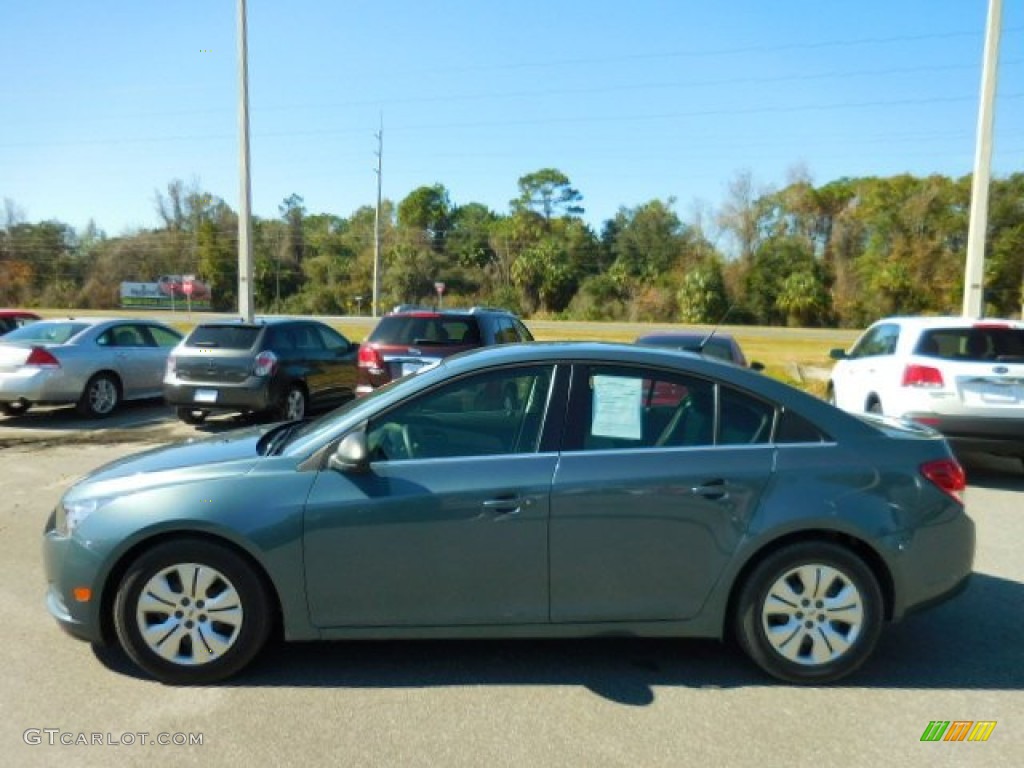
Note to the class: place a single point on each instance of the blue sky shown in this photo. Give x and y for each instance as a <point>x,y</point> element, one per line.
<point>107,101</point>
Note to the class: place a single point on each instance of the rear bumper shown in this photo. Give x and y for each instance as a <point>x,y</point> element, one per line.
<point>934,565</point>
<point>981,433</point>
<point>252,395</point>
<point>37,385</point>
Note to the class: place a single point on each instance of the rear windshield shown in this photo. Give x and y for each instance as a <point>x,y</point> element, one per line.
<point>978,344</point>
<point>223,336</point>
<point>713,347</point>
<point>47,332</point>
<point>426,329</point>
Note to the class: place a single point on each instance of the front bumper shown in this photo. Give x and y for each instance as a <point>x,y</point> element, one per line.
<point>68,565</point>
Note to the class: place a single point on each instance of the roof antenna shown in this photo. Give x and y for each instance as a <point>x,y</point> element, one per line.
<point>706,339</point>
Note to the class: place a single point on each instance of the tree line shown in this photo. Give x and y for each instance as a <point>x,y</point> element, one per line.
<point>841,254</point>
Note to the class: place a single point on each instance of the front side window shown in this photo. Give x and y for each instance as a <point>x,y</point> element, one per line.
<point>487,414</point>
<point>880,340</point>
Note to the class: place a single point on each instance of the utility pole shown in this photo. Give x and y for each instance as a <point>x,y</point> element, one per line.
<point>245,293</point>
<point>974,270</point>
<point>375,301</point>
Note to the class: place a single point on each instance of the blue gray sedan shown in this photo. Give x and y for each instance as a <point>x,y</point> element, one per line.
<point>534,490</point>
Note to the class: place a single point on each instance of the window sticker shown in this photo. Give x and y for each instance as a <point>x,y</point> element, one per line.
<point>618,407</point>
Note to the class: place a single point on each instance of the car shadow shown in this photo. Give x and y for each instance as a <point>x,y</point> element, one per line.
<point>998,473</point>
<point>131,413</point>
<point>970,643</point>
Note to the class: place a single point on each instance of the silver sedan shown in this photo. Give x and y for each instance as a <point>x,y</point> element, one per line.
<point>93,362</point>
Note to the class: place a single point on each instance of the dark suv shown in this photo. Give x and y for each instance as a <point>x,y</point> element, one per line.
<point>413,340</point>
<point>281,367</point>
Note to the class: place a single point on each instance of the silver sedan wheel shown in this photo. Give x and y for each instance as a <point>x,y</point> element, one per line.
<point>813,614</point>
<point>102,396</point>
<point>189,614</point>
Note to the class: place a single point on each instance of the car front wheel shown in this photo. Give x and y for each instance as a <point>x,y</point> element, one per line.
<point>191,612</point>
<point>15,409</point>
<point>809,613</point>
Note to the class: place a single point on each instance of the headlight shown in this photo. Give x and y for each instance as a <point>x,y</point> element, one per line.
<point>70,514</point>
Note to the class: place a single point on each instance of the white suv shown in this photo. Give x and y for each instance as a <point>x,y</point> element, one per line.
<point>963,377</point>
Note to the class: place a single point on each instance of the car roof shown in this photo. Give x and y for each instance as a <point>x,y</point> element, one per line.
<point>454,312</point>
<point>686,336</point>
<point>949,321</point>
<point>17,313</point>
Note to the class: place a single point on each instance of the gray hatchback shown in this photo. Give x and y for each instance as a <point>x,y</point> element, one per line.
<point>281,366</point>
<point>526,490</point>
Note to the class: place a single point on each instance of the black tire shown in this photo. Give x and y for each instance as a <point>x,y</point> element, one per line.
<point>192,416</point>
<point>101,396</point>
<point>874,406</point>
<point>14,409</point>
<point>293,404</point>
<point>169,579</point>
<point>807,646</point>
<point>830,395</point>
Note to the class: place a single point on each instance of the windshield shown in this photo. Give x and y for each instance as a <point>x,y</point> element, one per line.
<point>47,331</point>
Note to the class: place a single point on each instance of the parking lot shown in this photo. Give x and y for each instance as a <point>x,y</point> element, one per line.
<point>611,701</point>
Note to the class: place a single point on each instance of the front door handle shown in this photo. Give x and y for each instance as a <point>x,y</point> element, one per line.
<point>506,506</point>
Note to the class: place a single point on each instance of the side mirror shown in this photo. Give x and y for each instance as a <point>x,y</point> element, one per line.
<point>837,354</point>
<point>756,366</point>
<point>351,454</point>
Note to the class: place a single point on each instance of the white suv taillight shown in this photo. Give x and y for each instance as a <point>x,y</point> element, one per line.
<point>266,363</point>
<point>922,376</point>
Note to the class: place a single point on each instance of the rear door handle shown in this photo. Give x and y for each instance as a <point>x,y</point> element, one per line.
<point>712,489</point>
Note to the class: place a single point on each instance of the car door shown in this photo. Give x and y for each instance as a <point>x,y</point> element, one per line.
<point>339,363</point>
<point>450,524</point>
<point>139,361</point>
<point>867,370</point>
<point>659,476</point>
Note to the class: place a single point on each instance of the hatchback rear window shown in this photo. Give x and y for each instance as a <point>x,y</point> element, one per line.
<point>977,344</point>
<point>223,336</point>
<point>426,329</point>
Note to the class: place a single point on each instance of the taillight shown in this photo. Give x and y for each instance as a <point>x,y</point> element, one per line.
<point>370,357</point>
<point>948,476</point>
<point>266,363</point>
<point>922,376</point>
<point>42,358</point>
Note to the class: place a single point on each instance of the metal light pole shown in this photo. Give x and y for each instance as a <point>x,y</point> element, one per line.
<point>974,270</point>
<point>245,292</point>
<point>375,301</point>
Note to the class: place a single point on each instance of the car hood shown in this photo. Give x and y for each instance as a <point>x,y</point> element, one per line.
<point>203,459</point>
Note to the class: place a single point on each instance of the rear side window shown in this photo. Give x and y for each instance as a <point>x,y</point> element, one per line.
<point>972,344</point>
<point>223,336</point>
<point>794,428</point>
<point>421,329</point>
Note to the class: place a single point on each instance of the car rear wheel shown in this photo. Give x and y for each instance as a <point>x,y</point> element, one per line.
<point>192,416</point>
<point>293,404</point>
<point>809,613</point>
<point>100,398</point>
<point>191,612</point>
<point>14,409</point>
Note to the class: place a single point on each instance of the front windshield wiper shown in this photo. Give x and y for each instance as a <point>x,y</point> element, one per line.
<point>277,438</point>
